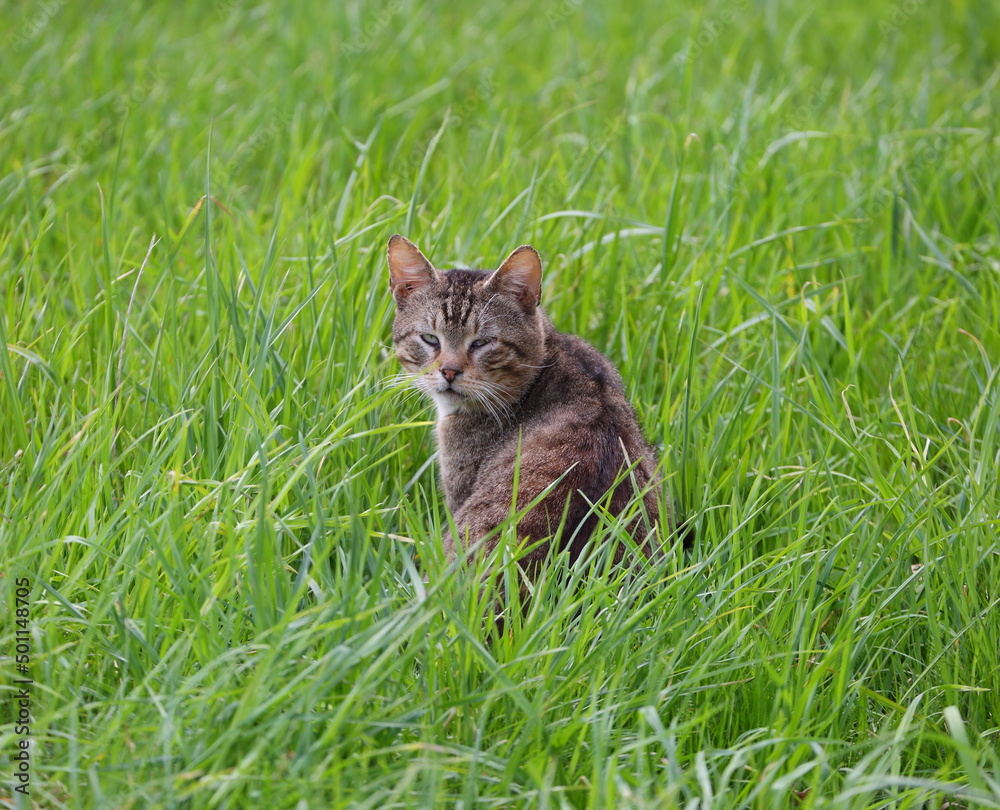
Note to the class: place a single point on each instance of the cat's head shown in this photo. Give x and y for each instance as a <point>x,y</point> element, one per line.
<point>472,340</point>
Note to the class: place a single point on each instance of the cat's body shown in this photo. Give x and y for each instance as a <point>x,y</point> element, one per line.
<point>512,392</point>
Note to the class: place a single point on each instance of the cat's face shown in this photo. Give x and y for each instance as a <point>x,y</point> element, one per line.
<point>470,340</point>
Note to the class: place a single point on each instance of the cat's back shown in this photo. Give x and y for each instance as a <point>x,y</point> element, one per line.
<point>580,421</point>
<point>580,395</point>
<point>577,378</point>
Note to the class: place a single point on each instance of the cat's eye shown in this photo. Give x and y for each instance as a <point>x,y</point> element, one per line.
<point>478,343</point>
<point>430,339</point>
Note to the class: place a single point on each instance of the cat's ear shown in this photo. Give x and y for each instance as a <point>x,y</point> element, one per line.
<point>520,275</point>
<point>409,269</point>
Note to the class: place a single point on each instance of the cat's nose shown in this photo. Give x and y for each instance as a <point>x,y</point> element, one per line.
<point>450,373</point>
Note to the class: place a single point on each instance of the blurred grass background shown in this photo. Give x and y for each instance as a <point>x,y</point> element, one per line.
<point>779,219</point>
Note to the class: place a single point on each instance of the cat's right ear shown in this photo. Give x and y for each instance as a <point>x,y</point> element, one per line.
<point>409,269</point>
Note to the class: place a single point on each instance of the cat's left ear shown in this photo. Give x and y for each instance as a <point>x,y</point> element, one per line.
<point>520,275</point>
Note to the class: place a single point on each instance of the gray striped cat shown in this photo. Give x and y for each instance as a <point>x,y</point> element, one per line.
<point>505,382</point>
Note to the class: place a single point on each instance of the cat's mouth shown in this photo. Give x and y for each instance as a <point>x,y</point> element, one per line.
<point>449,400</point>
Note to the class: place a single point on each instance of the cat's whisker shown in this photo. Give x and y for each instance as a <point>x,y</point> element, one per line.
<point>494,399</point>
<point>396,380</point>
<point>492,410</point>
<point>486,308</point>
<point>504,393</point>
<point>489,395</point>
<point>499,395</point>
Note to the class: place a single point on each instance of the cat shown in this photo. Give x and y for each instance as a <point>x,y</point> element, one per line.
<point>511,392</point>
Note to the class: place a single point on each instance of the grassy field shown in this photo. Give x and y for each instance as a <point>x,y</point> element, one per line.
<point>779,219</point>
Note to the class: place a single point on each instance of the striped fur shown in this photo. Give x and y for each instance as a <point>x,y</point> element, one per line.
<point>505,381</point>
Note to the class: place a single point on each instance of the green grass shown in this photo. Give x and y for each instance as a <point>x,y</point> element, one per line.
<point>789,243</point>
